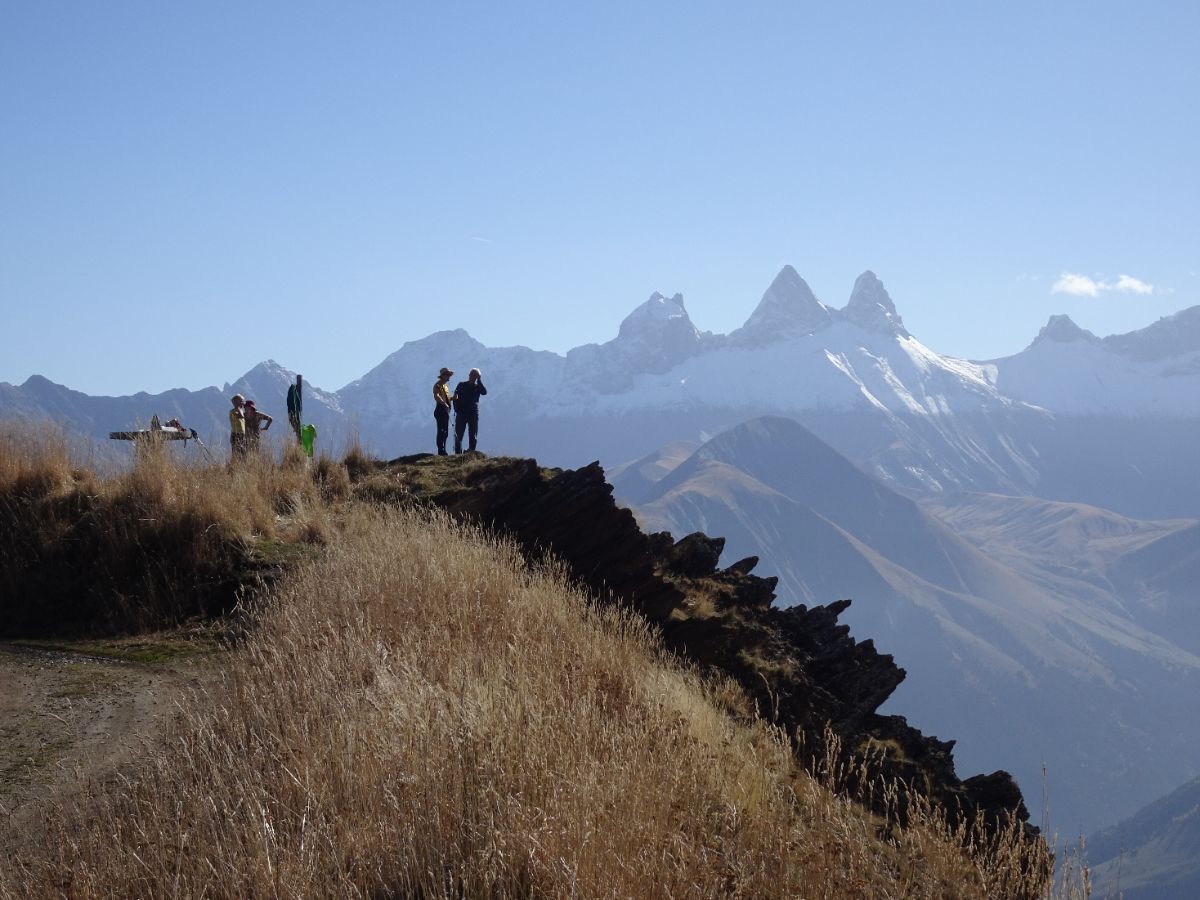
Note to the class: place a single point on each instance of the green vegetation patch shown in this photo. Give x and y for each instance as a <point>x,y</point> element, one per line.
<point>143,649</point>
<point>460,483</point>
<point>270,553</point>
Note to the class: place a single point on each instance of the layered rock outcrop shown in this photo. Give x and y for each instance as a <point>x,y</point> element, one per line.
<point>800,665</point>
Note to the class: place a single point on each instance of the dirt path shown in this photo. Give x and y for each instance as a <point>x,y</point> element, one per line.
<point>66,713</point>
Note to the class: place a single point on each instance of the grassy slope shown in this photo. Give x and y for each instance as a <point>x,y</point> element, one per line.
<point>415,712</point>
<point>147,548</point>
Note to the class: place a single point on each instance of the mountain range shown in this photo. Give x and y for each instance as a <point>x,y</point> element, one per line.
<point>1020,532</point>
<point>1017,637</point>
<point>917,420</point>
<point>1152,371</point>
<point>1153,854</point>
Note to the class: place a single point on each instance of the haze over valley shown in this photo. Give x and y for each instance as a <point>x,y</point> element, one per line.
<point>846,362</point>
<point>1020,533</point>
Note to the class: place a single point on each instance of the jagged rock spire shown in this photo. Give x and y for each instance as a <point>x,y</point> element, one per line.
<point>788,307</point>
<point>656,314</point>
<point>657,335</point>
<point>871,307</point>
<point>1063,330</point>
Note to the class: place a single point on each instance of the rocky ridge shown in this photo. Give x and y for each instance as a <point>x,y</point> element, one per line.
<point>800,665</point>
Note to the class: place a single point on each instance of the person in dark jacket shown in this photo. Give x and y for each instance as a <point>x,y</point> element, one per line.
<point>466,409</point>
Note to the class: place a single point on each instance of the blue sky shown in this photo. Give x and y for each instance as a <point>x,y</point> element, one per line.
<point>188,189</point>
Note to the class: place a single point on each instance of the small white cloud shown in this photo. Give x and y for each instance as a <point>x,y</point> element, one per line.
<point>1130,285</point>
<point>482,240</point>
<point>1083,286</point>
<point>1076,285</point>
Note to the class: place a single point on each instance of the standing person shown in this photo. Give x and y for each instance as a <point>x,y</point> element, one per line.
<point>237,427</point>
<point>466,408</point>
<point>441,409</point>
<point>256,423</point>
<point>295,405</point>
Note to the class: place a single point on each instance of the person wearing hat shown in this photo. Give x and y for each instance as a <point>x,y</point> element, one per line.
<point>441,409</point>
<point>237,427</point>
<point>256,423</point>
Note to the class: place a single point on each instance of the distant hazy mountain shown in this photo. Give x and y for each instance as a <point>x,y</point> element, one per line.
<point>639,477</point>
<point>1148,571</point>
<point>1024,624</point>
<point>1164,577</point>
<point>1154,854</point>
<point>205,410</point>
<point>1104,421</point>
<point>914,417</point>
<point>1067,370</point>
<point>1024,666</point>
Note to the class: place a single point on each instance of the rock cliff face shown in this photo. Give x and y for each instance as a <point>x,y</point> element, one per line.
<point>801,667</point>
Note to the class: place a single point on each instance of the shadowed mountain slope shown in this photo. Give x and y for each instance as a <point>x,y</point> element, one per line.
<point>1148,571</point>
<point>1014,666</point>
<point>1154,854</point>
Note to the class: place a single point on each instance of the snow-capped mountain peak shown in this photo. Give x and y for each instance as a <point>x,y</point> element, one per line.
<point>654,337</point>
<point>1172,336</point>
<point>1067,369</point>
<point>788,307</point>
<point>655,314</point>
<point>1063,330</point>
<point>871,307</point>
<point>269,379</point>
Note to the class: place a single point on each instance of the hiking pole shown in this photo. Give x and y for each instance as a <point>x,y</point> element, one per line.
<point>200,444</point>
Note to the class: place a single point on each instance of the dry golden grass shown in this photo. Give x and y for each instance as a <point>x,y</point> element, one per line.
<point>417,712</point>
<point>33,460</point>
<point>147,546</point>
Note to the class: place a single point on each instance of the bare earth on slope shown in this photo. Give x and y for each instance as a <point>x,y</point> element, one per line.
<point>82,710</point>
